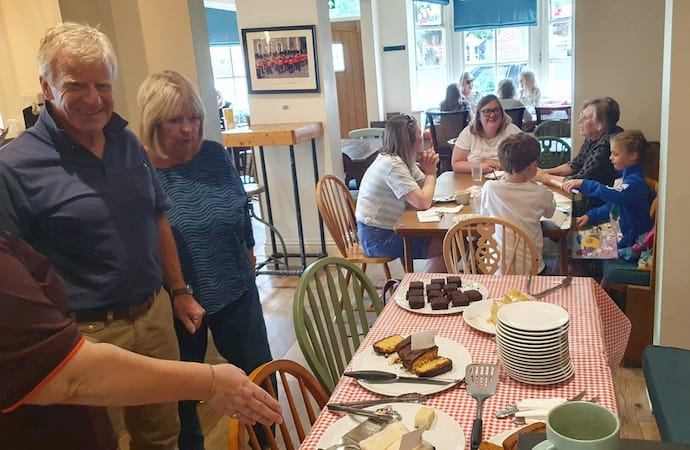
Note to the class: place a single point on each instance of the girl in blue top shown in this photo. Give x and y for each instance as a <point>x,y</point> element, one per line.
<point>630,194</point>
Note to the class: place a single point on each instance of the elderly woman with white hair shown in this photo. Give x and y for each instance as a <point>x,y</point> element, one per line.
<point>211,224</point>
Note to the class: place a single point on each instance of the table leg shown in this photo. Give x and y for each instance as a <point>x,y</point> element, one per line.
<point>316,181</point>
<point>407,248</point>
<point>563,255</point>
<point>269,209</point>
<point>298,208</point>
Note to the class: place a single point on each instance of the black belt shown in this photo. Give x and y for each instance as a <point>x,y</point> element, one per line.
<point>97,315</point>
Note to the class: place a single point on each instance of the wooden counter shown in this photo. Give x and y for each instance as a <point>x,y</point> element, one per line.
<point>272,134</point>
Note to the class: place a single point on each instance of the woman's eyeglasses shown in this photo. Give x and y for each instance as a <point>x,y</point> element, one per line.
<point>490,112</point>
<point>469,81</point>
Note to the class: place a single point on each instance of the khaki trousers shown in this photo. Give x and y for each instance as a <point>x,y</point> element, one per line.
<point>151,427</point>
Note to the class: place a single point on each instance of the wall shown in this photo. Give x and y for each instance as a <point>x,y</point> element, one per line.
<point>287,108</point>
<point>22,24</point>
<point>673,285</point>
<point>618,51</point>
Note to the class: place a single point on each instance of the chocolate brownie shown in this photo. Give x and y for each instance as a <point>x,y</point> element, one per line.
<point>416,302</point>
<point>473,295</point>
<point>439,303</point>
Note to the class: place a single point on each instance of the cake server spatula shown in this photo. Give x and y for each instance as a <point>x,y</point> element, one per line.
<point>379,376</point>
<point>481,381</point>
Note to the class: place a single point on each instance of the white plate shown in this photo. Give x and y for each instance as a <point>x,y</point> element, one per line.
<point>477,314</point>
<point>540,380</point>
<point>467,285</point>
<point>370,360</point>
<point>535,336</point>
<point>533,316</point>
<point>495,175</point>
<point>445,433</point>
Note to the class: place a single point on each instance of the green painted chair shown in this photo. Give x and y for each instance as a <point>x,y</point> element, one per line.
<point>554,152</point>
<point>330,316</point>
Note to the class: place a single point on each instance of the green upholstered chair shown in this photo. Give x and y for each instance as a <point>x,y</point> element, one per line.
<point>666,372</point>
<point>554,152</point>
<point>330,316</point>
<point>558,128</point>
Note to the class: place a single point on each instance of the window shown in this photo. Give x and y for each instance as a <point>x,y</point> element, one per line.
<point>493,54</point>
<point>230,78</point>
<point>430,50</point>
<point>343,9</point>
<point>560,50</point>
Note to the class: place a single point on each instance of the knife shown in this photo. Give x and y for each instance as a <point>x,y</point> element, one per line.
<point>378,376</point>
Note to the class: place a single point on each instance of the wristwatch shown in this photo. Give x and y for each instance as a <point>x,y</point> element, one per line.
<point>186,290</point>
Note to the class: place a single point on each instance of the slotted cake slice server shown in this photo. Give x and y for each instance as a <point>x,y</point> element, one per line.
<point>481,381</point>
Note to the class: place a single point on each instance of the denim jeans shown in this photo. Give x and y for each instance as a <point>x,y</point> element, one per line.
<point>239,333</point>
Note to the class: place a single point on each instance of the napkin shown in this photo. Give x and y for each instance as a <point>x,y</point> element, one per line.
<point>435,214</point>
<point>536,409</point>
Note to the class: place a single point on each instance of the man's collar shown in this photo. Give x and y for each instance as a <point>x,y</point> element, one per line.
<point>62,140</point>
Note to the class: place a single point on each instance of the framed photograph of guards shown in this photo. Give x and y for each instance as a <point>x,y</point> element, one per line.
<point>281,59</point>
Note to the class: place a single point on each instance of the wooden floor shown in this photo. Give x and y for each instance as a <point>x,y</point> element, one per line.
<point>276,293</point>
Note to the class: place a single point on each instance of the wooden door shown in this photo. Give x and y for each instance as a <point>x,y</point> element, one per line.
<point>352,102</point>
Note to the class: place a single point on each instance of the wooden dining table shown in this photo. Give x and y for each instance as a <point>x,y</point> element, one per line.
<point>409,226</point>
<point>598,336</point>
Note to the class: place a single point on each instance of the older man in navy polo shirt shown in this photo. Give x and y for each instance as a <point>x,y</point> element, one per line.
<point>79,187</point>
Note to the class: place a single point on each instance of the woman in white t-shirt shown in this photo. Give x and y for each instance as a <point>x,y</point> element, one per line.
<point>480,140</point>
<point>394,182</point>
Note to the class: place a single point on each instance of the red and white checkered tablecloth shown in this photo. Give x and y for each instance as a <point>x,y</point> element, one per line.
<point>599,333</point>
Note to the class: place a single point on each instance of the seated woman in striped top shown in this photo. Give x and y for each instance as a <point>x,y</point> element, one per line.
<point>211,226</point>
<point>395,181</point>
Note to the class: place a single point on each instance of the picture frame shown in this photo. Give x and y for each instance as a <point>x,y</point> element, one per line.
<point>281,59</point>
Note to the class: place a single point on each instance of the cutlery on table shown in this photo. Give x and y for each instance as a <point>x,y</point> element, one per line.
<point>385,415</point>
<point>379,376</point>
<point>562,285</point>
<point>480,381</point>
<point>412,397</point>
<point>540,416</point>
<point>524,405</point>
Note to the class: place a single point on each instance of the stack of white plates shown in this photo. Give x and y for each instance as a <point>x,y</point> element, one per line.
<point>532,342</point>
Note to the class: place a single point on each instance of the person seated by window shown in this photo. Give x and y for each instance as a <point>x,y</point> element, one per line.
<point>454,100</point>
<point>479,141</point>
<point>629,194</point>
<point>222,104</point>
<point>515,196</point>
<point>530,94</point>
<point>467,90</point>
<point>598,122</point>
<point>394,182</point>
<point>506,95</point>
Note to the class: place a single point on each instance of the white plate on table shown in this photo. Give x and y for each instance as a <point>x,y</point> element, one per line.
<point>370,360</point>
<point>533,316</point>
<point>467,285</point>
<point>477,314</point>
<point>445,433</point>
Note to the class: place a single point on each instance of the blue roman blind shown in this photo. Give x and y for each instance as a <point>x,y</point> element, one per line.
<point>222,27</point>
<point>483,14</point>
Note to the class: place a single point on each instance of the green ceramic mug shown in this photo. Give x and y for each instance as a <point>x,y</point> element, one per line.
<point>581,426</point>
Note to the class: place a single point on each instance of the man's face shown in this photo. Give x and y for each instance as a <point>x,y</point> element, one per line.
<point>81,96</point>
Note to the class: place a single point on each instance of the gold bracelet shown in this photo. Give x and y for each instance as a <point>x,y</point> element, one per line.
<point>212,388</point>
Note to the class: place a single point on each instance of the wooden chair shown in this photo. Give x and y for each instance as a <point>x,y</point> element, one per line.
<point>516,115</point>
<point>555,128</point>
<point>554,152</point>
<point>291,376</point>
<point>445,125</point>
<point>337,208</point>
<point>330,317</point>
<point>472,241</point>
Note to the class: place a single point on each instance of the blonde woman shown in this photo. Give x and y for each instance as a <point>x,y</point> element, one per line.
<point>211,225</point>
<point>530,94</point>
